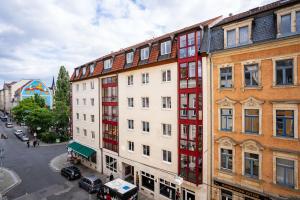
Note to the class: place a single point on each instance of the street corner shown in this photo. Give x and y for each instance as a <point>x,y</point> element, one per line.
<point>8,180</point>
<point>58,162</point>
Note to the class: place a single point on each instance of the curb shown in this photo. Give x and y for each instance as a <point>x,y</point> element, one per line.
<point>51,164</point>
<point>54,144</point>
<point>16,178</point>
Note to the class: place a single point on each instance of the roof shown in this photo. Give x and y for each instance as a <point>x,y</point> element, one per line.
<point>257,10</point>
<point>119,57</point>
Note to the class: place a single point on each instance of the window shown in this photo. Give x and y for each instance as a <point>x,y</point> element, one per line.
<point>252,121</point>
<point>130,102</point>
<point>165,47</point>
<point>167,156</point>
<point>286,24</point>
<point>226,119</point>
<point>145,102</point>
<point>77,130</point>
<point>92,101</point>
<point>92,118</point>
<point>129,57</point>
<point>166,75</point>
<point>77,101</point>
<point>145,53</point>
<point>130,124</point>
<point>84,101</point>
<point>130,80</point>
<point>77,87</point>
<point>284,72</point>
<point>83,86</point>
<point>92,85</point>
<point>226,77</point>
<point>146,150</point>
<point>145,78</point>
<point>76,72</point>
<point>93,134</point>
<point>130,146</point>
<point>243,35</point>
<point>111,163</point>
<point>285,174</point>
<point>84,117</point>
<point>166,129</point>
<point>83,71</point>
<point>146,126</point>
<point>285,123</point>
<point>84,132</point>
<point>166,102</point>
<point>231,38</point>
<point>251,75</point>
<point>77,115</point>
<point>298,21</point>
<point>167,189</point>
<point>92,68</point>
<point>226,159</point>
<point>148,181</point>
<point>187,45</point>
<point>107,63</point>
<point>226,195</point>
<point>251,165</point>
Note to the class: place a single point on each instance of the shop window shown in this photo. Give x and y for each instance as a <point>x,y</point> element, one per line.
<point>111,163</point>
<point>226,195</point>
<point>148,181</point>
<point>167,189</point>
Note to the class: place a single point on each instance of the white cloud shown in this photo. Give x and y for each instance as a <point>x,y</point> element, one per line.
<point>36,37</point>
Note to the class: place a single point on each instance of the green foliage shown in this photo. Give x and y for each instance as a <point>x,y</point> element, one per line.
<point>48,137</point>
<point>40,101</point>
<point>39,117</point>
<point>62,92</point>
<point>61,113</point>
<point>24,108</point>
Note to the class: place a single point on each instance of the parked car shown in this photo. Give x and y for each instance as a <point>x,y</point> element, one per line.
<point>18,132</point>
<point>71,172</point>
<point>3,118</point>
<point>22,124</point>
<point>9,125</point>
<point>90,183</point>
<point>23,137</point>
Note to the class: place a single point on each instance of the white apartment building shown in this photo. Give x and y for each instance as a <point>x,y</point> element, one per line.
<point>148,128</point>
<point>85,117</point>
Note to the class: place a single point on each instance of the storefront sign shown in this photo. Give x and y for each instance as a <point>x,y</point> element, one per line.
<point>241,191</point>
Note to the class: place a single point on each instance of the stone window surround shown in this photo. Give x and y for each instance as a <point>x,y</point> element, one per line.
<point>226,103</point>
<point>252,103</point>
<point>283,106</point>
<point>219,75</point>
<point>295,66</point>
<point>226,143</point>
<point>251,146</point>
<point>250,62</point>
<point>287,156</point>
<point>237,26</point>
<point>290,10</point>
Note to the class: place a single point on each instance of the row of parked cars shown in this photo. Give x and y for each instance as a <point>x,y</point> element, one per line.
<point>91,183</point>
<point>21,135</point>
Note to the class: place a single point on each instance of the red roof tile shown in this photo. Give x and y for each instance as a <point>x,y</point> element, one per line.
<point>154,53</point>
<point>118,62</point>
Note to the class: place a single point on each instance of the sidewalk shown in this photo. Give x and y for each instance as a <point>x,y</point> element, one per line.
<point>8,180</point>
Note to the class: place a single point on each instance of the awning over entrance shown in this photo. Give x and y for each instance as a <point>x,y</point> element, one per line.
<point>81,149</point>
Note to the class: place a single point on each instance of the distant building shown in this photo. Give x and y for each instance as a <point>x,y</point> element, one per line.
<point>12,93</point>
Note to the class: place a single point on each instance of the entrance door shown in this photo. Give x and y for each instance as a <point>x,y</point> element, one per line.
<point>188,194</point>
<point>128,173</point>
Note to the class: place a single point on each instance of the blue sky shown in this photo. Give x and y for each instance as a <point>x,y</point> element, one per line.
<point>37,37</point>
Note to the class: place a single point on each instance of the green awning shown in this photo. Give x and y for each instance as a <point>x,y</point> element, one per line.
<point>81,149</point>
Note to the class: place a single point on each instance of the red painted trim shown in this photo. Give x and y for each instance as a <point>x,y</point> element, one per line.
<point>110,103</point>
<point>110,122</point>
<point>109,141</point>
<point>109,85</point>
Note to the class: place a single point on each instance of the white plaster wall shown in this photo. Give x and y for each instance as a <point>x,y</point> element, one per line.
<point>89,110</point>
<point>155,89</point>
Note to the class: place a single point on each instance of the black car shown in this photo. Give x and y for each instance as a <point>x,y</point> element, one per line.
<point>71,172</point>
<point>90,183</point>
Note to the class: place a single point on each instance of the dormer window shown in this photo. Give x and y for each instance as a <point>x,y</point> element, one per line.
<point>92,68</point>
<point>145,53</point>
<point>76,72</point>
<point>165,47</point>
<point>107,63</point>
<point>237,34</point>
<point>83,71</point>
<point>288,21</point>
<point>129,57</point>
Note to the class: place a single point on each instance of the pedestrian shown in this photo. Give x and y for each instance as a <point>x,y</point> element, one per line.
<point>34,143</point>
<point>28,144</point>
<point>108,197</point>
<point>111,177</point>
<point>177,194</point>
<point>38,142</point>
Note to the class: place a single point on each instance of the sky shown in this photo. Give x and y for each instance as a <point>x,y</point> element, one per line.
<point>37,37</point>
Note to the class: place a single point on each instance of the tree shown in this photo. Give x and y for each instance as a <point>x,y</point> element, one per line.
<point>40,101</point>
<point>39,117</point>
<point>61,113</point>
<point>62,92</point>
<point>22,110</point>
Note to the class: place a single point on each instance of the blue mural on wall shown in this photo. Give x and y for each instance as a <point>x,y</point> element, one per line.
<point>37,87</point>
